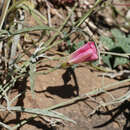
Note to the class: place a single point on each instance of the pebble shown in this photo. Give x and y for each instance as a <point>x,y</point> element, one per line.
<point>128,15</point>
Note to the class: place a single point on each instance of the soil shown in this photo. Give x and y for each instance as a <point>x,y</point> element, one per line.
<point>56,87</point>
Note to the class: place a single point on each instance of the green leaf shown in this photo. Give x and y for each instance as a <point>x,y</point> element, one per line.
<point>29,29</point>
<point>106,41</point>
<point>121,45</point>
<point>106,60</point>
<point>124,43</point>
<point>81,43</point>
<point>120,61</point>
<point>69,42</point>
<point>73,48</point>
<point>117,33</point>
<point>95,63</point>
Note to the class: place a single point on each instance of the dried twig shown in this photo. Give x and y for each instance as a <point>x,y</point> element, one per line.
<point>116,74</point>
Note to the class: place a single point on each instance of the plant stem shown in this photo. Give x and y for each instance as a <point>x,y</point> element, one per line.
<point>76,99</point>
<point>60,28</point>
<point>5,126</point>
<point>14,5</point>
<point>116,54</point>
<point>87,14</point>
<point>84,96</point>
<point>4,12</point>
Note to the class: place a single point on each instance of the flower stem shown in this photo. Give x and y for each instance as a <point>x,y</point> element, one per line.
<point>127,55</point>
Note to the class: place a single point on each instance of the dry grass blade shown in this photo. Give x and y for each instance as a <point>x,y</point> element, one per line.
<point>5,6</point>
<point>43,112</point>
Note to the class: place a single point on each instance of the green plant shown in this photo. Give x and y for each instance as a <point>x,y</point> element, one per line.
<point>118,47</point>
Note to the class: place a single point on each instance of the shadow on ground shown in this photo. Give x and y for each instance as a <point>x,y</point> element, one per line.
<point>122,110</point>
<point>66,90</point>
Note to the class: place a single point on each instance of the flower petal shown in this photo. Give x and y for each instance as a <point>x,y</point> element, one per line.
<point>88,52</point>
<point>81,57</point>
<point>82,49</point>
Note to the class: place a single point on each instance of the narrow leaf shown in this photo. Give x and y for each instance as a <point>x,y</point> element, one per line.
<point>42,112</point>
<point>32,74</point>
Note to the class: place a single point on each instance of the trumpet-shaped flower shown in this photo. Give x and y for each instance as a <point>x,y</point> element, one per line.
<point>87,52</point>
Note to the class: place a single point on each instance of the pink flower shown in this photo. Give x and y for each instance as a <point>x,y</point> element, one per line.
<point>88,52</point>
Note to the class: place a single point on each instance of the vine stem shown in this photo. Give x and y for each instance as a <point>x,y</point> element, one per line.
<point>4,12</point>
<point>61,27</point>
<point>77,24</point>
<point>87,14</point>
<point>127,55</point>
<point>76,99</point>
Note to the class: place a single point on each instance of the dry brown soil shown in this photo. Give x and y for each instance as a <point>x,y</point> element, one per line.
<point>57,87</point>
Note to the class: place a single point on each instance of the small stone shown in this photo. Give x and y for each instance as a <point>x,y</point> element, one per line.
<point>128,15</point>
<point>79,14</point>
